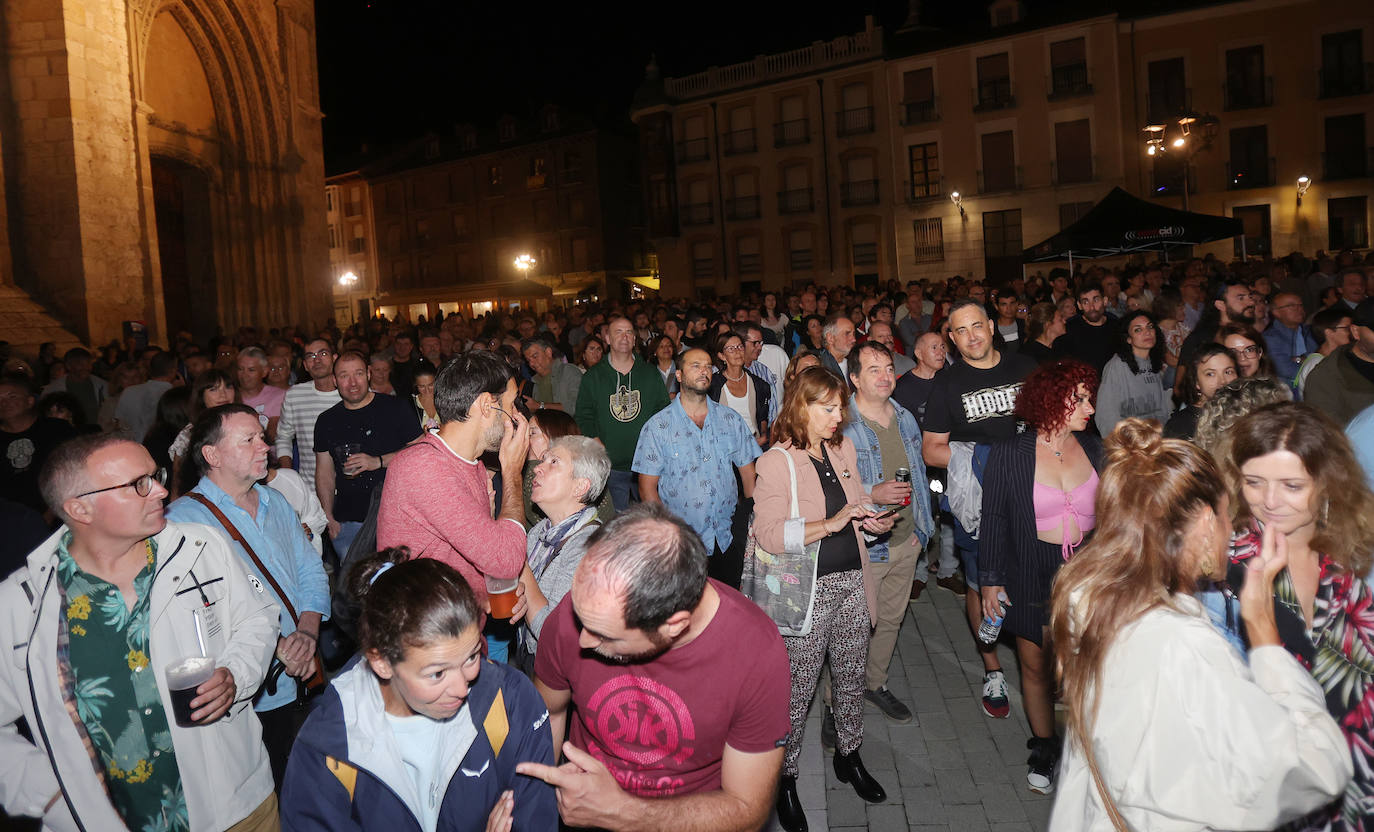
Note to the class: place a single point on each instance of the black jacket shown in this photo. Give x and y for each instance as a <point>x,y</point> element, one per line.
<point>763,394</point>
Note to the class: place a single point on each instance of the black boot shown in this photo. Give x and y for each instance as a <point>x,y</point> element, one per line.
<point>850,769</point>
<point>1044,757</point>
<point>790,814</point>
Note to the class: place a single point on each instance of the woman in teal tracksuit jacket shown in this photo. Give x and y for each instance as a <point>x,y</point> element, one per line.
<point>420,732</point>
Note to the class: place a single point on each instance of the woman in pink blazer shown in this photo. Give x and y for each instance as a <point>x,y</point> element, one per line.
<point>832,504</point>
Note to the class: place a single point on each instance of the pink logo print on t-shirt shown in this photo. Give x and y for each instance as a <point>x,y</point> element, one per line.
<point>642,721</point>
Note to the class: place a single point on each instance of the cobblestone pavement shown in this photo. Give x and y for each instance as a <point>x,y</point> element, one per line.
<point>952,768</point>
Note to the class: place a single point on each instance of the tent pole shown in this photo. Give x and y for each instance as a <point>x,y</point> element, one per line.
<point>1243,256</point>
<point>1071,265</point>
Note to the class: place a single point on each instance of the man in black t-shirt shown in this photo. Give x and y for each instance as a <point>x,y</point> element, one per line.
<point>1092,333</point>
<point>378,426</point>
<point>26,439</point>
<point>974,401</point>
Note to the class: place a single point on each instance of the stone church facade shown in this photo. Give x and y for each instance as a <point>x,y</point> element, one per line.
<point>163,162</point>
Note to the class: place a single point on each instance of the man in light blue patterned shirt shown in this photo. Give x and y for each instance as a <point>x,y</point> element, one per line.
<point>687,457</point>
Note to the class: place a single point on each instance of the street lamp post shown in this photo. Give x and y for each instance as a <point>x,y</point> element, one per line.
<point>524,263</point>
<point>1186,144</point>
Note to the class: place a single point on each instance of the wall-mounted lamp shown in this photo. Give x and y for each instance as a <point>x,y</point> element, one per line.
<point>959,203</point>
<point>1304,182</point>
<point>348,279</point>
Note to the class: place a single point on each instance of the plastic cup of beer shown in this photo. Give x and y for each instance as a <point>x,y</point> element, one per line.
<point>183,677</point>
<point>343,452</point>
<point>501,595</point>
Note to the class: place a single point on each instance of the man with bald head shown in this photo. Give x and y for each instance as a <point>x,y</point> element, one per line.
<point>687,458</point>
<point>99,614</point>
<point>647,646</point>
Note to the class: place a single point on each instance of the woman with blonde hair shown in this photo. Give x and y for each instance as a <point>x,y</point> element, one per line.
<point>1168,726</point>
<point>1293,474</point>
<point>834,511</point>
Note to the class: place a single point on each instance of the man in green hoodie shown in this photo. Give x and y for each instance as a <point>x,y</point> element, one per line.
<point>617,397</point>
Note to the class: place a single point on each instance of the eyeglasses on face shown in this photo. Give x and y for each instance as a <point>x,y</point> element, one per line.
<point>310,356</point>
<point>734,348</point>
<point>142,486</point>
<point>1250,351</point>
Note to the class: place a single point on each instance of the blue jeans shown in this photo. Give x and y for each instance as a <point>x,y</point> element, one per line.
<point>622,487</point>
<point>348,529</point>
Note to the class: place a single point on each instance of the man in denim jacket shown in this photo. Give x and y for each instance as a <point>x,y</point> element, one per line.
<point>887,437</point>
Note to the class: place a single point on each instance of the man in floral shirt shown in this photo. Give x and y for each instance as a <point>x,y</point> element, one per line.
<point>99,611</point>
<point>687,457</point>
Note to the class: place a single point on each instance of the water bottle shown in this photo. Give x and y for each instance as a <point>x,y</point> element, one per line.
<point>904,475</point>
<point>992,627</point>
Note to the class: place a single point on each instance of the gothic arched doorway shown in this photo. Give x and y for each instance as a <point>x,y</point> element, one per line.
<point>181,196</point>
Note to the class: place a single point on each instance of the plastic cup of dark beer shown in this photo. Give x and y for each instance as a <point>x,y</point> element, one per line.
<point>183,677</point>
<point>501,594</point>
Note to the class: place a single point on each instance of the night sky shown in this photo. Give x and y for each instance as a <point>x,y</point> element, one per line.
<point>390,69</point>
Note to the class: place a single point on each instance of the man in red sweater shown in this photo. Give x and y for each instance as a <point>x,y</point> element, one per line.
<point>437,496</point>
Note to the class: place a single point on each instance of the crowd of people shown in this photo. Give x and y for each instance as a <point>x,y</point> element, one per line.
<point>325,580</point>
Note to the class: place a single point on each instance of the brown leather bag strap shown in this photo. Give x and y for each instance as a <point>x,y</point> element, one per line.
<point>234,533</point>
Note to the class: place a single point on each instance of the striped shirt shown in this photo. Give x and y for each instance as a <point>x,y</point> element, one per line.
<point>299,411</point>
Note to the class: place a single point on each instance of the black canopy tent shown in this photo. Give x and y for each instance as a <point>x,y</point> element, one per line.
<point>1124,224</point>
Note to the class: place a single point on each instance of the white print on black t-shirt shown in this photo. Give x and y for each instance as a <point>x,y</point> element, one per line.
<point>990,402</point>
<point>20,454</point>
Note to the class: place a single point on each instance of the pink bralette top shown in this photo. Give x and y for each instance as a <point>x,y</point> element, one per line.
<point>1054,508</point>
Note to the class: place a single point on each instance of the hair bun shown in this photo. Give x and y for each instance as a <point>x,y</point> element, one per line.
<point>1135,437</point>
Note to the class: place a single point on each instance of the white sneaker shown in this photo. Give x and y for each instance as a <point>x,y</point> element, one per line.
<point>995,702</point>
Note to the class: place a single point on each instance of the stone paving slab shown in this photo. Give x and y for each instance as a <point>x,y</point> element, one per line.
<point>952,768</point>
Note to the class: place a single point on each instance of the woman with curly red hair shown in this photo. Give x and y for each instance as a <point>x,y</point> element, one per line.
<point>1039,492</point>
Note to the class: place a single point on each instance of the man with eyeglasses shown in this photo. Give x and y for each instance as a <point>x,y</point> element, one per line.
<point>99,612</point>
<point>437,499</point>
<point>26,439</point>
<point>1331,329</point>
<point>302,407</point>
<point>229,450</point>
<point>1343,383</point>
<point>767,361</point>
<point>1288,338</point>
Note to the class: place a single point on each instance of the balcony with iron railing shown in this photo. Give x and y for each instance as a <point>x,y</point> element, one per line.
<point>572,175</point>
<point>1162,186</point>
<point>800,259</point>
<point>694,150</point>
<point>1069,81</point>
<point>1348,165</point>
<point>791,132</point>
<point>854,122</point>
<point>932,188</point>
<point>1352,80</point>
<point>1172,186</point>
<point>865,254</point>
<point>357,245</point>
<point>1248,96</point>
<point>703,267</point>
<point>749,263</point>
<point>1241,177</point>
<point>353,209</point>
<point>1073,171</point>
<point>796,201</point>
<point>742,208</point>
<point>697,213</point>
<point>996,94</point>
<point>736,142</point>
<point>921,112</point>
<point>994,181</point>
<point>862,192</point>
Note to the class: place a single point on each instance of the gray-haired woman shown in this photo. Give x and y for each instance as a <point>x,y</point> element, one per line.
<point>567,483</point>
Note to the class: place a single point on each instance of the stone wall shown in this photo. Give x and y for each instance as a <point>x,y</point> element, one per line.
<point>81,134</point>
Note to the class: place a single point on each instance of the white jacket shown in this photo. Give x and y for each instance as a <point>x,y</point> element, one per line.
<point>224,768</point>
<point>1188,737</point>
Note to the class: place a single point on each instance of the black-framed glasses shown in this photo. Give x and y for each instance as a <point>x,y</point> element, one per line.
<point>142,486</point>
<point>1250,351</point>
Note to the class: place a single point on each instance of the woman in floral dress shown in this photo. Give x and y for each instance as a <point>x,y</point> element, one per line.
<point>1291,468</point>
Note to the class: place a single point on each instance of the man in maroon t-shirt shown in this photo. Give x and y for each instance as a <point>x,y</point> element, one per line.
<point>681,686</point>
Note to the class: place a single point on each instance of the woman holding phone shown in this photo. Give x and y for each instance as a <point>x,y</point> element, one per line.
<point>836,512</point>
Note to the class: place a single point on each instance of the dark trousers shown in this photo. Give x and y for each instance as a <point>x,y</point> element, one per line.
<point>279,729</point>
